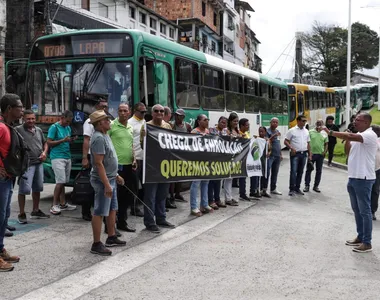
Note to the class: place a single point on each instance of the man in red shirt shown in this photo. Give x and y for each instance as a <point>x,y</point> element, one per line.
<point>11,110</point>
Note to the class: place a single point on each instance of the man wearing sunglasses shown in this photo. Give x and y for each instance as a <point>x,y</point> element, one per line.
<point>298,141</point>
<point>137,121</point>
<point>155,193</point>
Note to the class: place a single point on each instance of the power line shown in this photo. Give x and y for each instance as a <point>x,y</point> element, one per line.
<point>291,42</point>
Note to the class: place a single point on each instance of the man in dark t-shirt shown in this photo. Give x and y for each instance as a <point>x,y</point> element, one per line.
<point>33,179</point>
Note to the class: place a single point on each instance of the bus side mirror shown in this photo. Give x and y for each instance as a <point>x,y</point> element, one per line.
<point>158,72</point>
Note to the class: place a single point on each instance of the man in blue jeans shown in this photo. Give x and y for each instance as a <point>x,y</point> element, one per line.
<point>297,140</point>
<point>361,149</point>
<point>318,144</point>
<point>275,158</point>
<point>11,110</point>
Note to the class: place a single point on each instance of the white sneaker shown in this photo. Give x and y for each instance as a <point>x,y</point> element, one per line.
<point>67,206</point>
<point>276,192</point>
<point>55,210</point>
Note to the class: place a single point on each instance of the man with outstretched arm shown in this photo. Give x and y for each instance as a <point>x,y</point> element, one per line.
<point>361,148</point>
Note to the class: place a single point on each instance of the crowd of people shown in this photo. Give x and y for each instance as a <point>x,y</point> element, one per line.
<point>113,150</point>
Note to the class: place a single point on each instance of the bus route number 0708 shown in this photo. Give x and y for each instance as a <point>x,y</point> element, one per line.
<point>54,51</point>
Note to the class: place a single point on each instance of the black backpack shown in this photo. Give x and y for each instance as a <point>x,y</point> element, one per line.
<point>17,161</point>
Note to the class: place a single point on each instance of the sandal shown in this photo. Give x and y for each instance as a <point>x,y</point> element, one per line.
<point>196,212</point>
<point>214,206</point>
<point>207,209</point>
<point>234,202</point>
<point>221,204</point>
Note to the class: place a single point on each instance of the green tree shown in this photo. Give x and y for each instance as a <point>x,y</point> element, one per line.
<point>326,51</point>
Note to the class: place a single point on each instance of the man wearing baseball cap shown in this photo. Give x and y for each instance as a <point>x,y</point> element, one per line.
<point>179,125</point>
<point>103,179</point>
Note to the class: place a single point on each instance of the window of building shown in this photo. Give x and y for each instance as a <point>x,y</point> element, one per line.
<point>212,91</point>
<point>187,83</point>
<point>142,18</point>
<point>153,32</point>
<point>103,10</point>
<point>251,99</point>
<point>230,23</point>
<point>203,9</point>
<point>215,19</point>
<point>171,33</point>
<point>213,46</point>
<point>162,28</point>
<point>234,93</point>
<point>153,23</point>
<point>132,12</point>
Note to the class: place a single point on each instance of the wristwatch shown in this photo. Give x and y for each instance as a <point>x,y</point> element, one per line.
<point>331,132</point>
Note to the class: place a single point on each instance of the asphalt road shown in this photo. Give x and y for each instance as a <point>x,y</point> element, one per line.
<point>278,248</point>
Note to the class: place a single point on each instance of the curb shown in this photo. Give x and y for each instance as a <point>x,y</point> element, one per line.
<point>337,165</point>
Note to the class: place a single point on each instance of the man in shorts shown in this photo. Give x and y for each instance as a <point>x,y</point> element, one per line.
<point>33,179</point>
<point>103,179</point>
<point>59,139</point>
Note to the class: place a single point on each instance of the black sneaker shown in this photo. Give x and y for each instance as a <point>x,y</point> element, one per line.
<point>117,232</point>
<point>316,189</point>
<point>291,193</point>
<point>306,189</point>
<point>100,249</point>
<point>11,228</point>
<point>22,218</point>
<point>113,241</point>
<point>153,228</point>
<point>38,215</point>
<point>166,224</point>
<point>8,233</point>
<point>374,217</point>
<point>87,217</point>
<point>299,192</point>
<point>244,197</point>
<point>265,194</point>
<point>255,195</point>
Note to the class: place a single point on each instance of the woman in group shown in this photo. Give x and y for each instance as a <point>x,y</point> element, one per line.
<point>200,127</point>
<point>233,132</point>
<point>214,185</point>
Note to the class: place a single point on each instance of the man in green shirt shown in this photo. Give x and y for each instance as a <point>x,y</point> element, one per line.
<point>121,134</point>
<point>318,144</point>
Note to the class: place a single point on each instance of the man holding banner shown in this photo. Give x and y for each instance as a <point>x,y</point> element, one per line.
<point>155,193</point>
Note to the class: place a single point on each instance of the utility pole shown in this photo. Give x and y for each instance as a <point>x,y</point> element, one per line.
<point>348,78</point>
<point>47,17</point>
<point>298,60</point>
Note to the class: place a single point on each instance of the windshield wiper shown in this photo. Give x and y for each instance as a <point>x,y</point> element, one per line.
<point>53,77</point>
<point>91,78</point>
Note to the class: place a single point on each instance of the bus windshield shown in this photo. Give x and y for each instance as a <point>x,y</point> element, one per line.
<point>78,86</point>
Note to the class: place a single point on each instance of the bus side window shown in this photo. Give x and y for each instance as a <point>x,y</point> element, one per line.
<point>251,99</point>
<point>187,84</point>
<point>163,91</point>
<point>234,93</point>
<point>264,105</point>
<point>212,89</point>
<point>284,100</point>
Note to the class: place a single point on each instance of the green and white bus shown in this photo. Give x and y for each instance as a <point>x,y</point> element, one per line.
<point>367,94</point>
<point>71,71</point>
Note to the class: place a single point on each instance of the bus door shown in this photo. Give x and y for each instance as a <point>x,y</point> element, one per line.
<point>155,83</point>
<point>15,74</point>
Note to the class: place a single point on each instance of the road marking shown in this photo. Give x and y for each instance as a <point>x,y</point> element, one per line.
<point>91,278</point>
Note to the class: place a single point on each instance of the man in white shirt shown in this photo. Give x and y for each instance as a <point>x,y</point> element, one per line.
<point>137,121</point>
<point>298,141</point>
<point>362,148</point>
<point>376,185</point>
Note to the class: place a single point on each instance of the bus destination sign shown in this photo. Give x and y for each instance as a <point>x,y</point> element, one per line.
<point>82,46</point>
